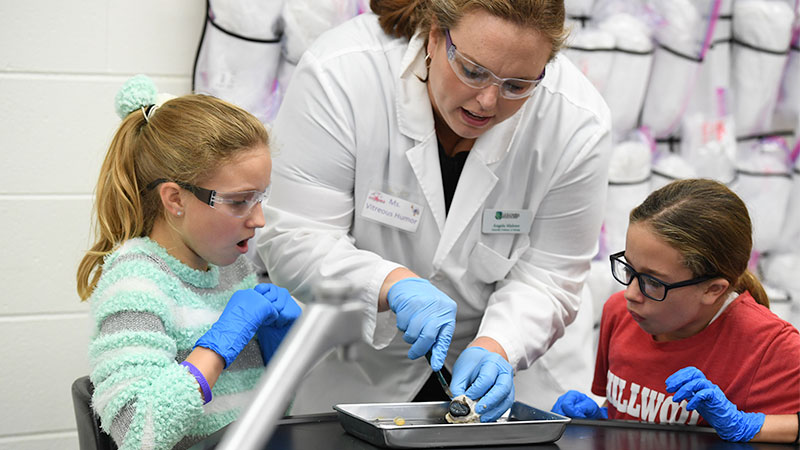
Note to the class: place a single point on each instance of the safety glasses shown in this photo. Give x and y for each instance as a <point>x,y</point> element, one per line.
<point>476,76</point>
<point>650,286</point>
<point>236,204</point>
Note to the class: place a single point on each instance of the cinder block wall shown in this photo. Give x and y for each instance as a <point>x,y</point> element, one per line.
<point>60,65</point>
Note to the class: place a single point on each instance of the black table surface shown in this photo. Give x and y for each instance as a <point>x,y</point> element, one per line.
<point>323,431</point>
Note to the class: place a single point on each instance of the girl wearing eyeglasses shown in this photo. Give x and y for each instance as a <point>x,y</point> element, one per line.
<point>453,167</point>
<point>691,340</point>
<point>178,317</point>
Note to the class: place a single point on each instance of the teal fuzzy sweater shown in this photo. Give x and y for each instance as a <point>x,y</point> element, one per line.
<point>148,310</point>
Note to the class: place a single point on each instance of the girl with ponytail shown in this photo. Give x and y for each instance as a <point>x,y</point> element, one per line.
<point>178,317</point>
<point>692,336</point>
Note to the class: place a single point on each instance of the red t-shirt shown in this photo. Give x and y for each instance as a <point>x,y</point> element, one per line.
<point>748,351</point>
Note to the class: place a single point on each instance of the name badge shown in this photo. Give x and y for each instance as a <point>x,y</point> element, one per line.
<point>506,221</point>
<point>392,211</point>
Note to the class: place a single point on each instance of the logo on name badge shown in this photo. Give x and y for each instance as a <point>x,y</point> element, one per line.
<point>506,215</point>
<point>392,211</point>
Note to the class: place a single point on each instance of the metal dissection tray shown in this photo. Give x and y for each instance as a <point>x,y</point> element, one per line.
<point>426,427</point>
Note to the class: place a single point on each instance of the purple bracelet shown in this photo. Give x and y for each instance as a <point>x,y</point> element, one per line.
<point>201,380</point>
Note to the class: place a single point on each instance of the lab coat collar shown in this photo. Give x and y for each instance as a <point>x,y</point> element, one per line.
<point>489,149</point>
<point>424,161</point>
<point>493,145</point>
<point>414,112</point>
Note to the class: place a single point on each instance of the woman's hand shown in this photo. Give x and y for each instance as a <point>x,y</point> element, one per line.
<point>426,315</point>
<point>481,374</point>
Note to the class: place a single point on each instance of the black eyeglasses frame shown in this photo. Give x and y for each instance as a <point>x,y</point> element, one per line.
<point>667,286</point>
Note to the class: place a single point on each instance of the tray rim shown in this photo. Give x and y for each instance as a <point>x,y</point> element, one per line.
<point>338,408</point>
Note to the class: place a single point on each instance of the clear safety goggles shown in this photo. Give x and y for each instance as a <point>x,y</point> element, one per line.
<point>236,204</point>
<point>650,286</point>
<point>476,76</point>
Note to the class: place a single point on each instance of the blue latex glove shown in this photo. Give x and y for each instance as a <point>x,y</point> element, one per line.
<point>245,312</point>
<point>731,424</point>
<point>489,377</point>
<point>579,406</point>
<point>270,335</point>
<point>426,315</point>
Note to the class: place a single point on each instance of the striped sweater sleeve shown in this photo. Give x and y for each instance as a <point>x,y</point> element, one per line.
<point>145,399</point>
<point>148,311</point>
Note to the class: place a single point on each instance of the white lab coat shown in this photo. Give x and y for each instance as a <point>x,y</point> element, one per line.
<point>357,118</point>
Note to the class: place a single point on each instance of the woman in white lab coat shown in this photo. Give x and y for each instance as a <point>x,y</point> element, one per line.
<point>438,154</point>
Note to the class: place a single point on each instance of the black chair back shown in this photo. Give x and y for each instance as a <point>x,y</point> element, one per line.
<point>90,435</point>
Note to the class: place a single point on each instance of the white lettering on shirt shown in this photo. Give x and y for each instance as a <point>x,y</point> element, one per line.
<point>645,403</point>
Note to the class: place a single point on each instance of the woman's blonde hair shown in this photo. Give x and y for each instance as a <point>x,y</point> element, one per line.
<point>403,18</point>
<point>186,139</point>
<point>709,225</point>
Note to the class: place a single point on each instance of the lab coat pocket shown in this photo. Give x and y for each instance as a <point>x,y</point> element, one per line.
<point>488,265</point>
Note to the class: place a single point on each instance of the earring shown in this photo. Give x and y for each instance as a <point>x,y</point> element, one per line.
<point>179,213</point>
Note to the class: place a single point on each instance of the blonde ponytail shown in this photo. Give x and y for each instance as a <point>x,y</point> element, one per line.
<point>118,203</point>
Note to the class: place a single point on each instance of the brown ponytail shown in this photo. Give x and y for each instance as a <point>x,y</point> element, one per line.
<point>400,18</point>
<point>749,282</point>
